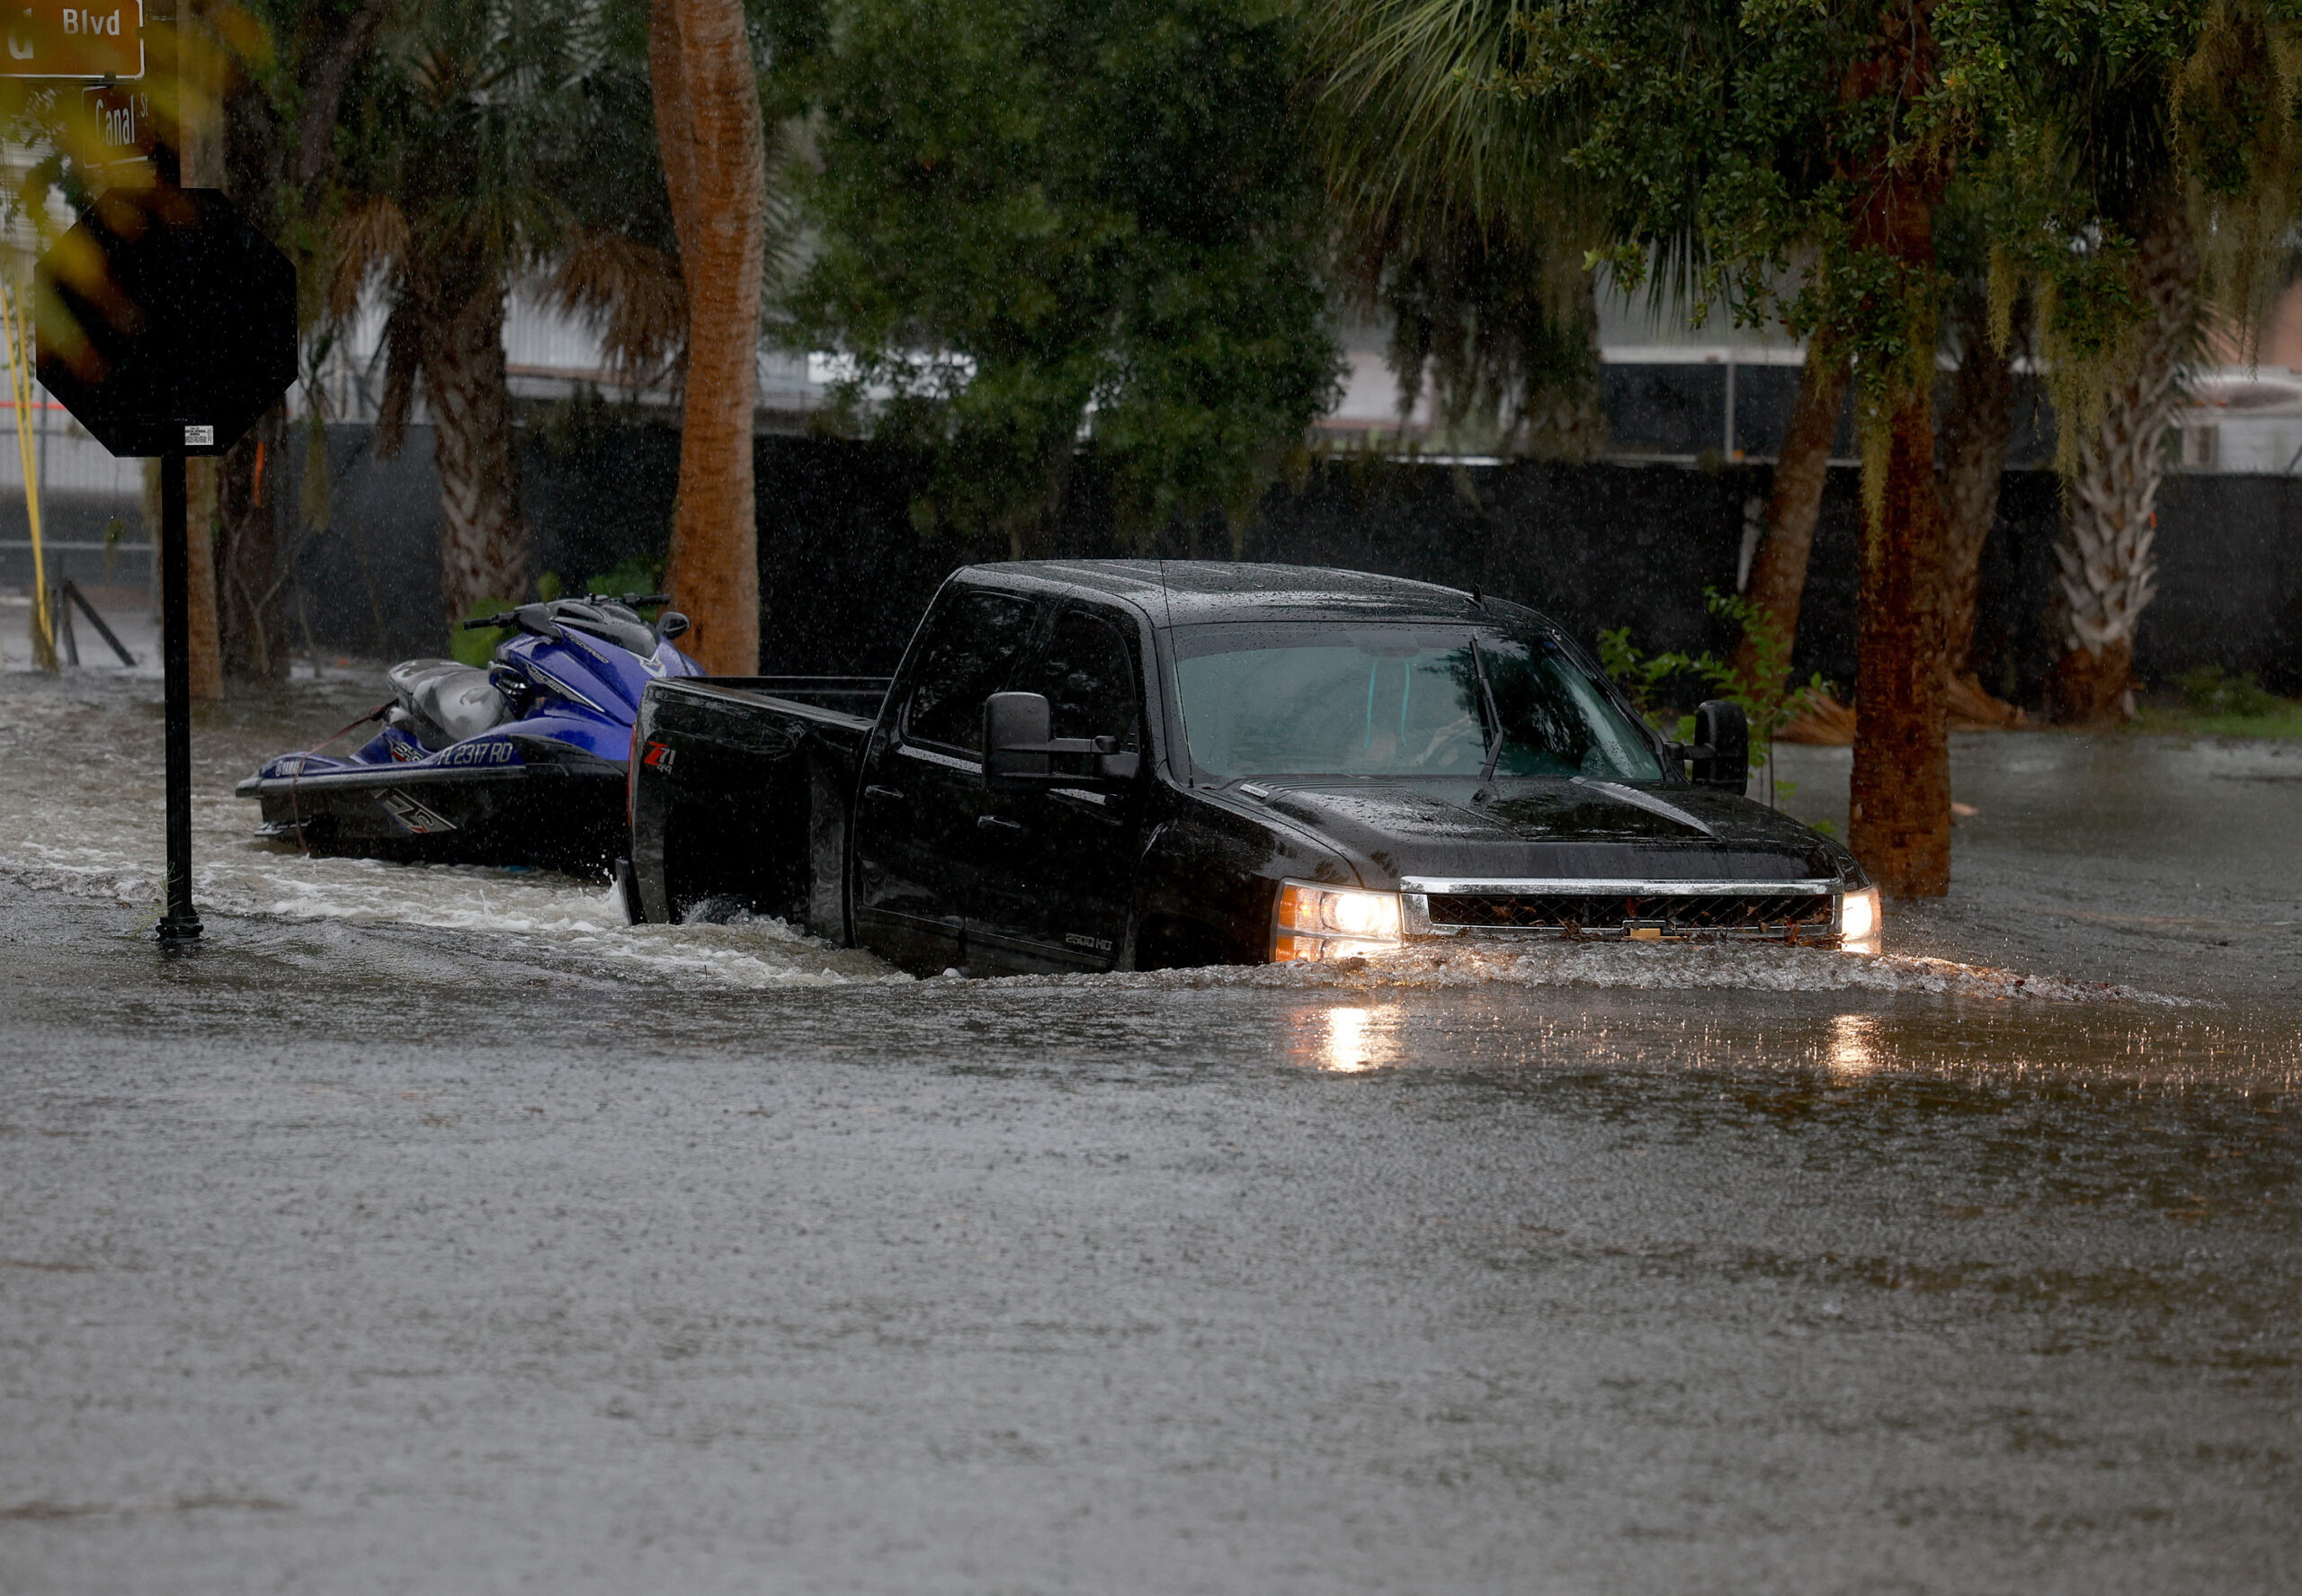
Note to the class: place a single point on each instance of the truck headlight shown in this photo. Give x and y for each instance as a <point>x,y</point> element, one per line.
<point>1859,919</point>
<point>1333,923</point>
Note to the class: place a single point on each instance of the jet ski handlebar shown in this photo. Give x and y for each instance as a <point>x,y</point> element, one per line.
<point>538,617</point>
<point>528,617</point>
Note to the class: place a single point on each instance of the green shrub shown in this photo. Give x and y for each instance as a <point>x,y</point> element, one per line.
<point>642,574</point>
<point>1769,697</point>
<point>2211,690</point>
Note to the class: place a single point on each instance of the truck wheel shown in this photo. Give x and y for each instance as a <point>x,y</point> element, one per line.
<point>1177,945</point>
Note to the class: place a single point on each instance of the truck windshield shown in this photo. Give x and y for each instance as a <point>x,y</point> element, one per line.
<point>1314,699</point>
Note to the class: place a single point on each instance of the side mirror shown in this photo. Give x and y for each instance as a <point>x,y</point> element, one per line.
<point>1019,756</point>
<point>1722,756</point>
<point>1014,741</point>
<point>671,624</point>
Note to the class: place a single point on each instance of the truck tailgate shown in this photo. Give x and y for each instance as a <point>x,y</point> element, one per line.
<point>741,788</point>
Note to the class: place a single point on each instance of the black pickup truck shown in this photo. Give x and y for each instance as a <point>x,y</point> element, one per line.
<point>1127,764</point>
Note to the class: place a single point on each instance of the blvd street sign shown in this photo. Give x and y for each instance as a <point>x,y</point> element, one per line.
<point>168,324</point>
<point>49,39</point>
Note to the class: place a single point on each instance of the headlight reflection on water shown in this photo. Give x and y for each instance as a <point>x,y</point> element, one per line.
<point>1851,1050</point>
<point>1348,1040</point>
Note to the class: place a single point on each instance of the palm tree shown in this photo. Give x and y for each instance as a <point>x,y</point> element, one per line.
<point>715,166</point>
<point>472,136</point>
<point>2105,575</point>
<point>1473,232</point>
<point>2176,176</point>
<point>1459,222</point>
<point>273,144</point>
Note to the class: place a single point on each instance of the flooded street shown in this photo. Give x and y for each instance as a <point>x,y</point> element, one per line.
<point>430,1229</point>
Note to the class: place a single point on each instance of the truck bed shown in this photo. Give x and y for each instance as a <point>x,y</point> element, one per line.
<point>741,788</point>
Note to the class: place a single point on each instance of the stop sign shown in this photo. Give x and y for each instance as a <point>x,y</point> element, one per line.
<point>167,323</point>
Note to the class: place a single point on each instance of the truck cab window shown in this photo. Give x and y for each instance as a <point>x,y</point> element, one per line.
<point>966,656</point>
<point>1088,679</point>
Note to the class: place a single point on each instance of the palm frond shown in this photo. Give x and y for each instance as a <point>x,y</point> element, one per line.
<point>370,240</point>
<point>631,293</point>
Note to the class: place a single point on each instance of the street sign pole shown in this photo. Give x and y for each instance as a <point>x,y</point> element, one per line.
<point>168,325</point>
<point>180,922</point>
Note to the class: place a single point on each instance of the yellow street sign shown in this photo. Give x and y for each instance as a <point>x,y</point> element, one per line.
<point>45,38</point>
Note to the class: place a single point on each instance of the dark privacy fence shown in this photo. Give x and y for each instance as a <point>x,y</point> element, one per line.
<point>843,574</point>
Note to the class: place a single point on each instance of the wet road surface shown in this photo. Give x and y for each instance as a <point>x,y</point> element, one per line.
<point>426,1230</point>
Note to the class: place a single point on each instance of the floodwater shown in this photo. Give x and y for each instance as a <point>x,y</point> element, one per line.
<point>430,1229</point>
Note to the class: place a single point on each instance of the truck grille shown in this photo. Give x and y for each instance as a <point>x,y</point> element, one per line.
<point>1745,914</point>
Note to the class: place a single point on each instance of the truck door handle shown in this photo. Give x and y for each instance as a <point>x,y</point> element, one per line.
<point>993,823</point>
<point>889,793</point>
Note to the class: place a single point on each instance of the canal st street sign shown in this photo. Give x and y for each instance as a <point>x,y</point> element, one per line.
<point>47,39</point>
<point>122,120</point>
<point>166,323</point>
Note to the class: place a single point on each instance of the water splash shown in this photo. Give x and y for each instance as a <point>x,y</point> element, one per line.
<point>80,778</point>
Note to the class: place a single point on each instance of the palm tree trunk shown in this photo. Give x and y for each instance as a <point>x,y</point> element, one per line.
<point>483,541</point>
<point>2107,576</point>
<point>715,166</point>
<point>1974,431</point>
<point>1778,581</point>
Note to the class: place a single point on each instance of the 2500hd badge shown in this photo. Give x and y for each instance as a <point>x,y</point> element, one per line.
<point>1099,764</point>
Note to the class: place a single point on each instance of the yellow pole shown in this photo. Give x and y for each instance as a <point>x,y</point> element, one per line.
<point>19,379</point>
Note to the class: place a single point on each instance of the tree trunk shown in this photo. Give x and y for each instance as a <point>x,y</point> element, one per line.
<point>206,654</point>
<point>251,600</point>
<point>715,167</point>
<point>272,181</point>
<point>250,595</point>
<point>1900,797</point>
<point>1778,570</point>
<point>483,542</point>
<point>1900,811</point>
<point>1974,431</point>
<point>2107,576</point>
<point>197,61</point>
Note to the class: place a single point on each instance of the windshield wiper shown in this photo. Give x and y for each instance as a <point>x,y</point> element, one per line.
<point>1493,716</point>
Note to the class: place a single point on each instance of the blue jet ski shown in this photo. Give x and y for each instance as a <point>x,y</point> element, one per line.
<point>521,763</point>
